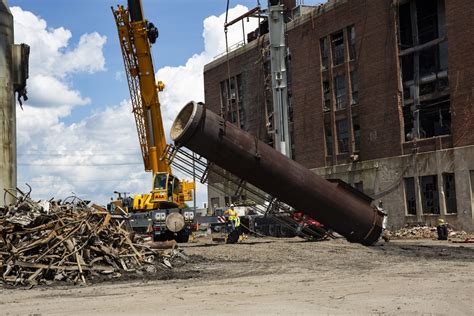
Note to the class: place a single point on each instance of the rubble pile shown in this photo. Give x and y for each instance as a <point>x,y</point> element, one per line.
<point>425,232</point>
<point>43,242</point>
<point>416,232</point>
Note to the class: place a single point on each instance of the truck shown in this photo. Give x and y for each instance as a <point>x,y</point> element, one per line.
<point>163,211</point>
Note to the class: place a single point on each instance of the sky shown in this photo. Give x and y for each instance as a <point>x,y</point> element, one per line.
<point>76,134</point>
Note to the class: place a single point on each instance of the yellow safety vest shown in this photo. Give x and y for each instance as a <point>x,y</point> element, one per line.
<point>237,221</point>
<point>233,216</point>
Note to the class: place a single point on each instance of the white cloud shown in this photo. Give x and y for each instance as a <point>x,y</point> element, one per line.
<point>86,57</point>
<point>52,61</point>
<point>99,154</point>
<point>88,157</point>
<point>50,51</point>
<point>48,91</point>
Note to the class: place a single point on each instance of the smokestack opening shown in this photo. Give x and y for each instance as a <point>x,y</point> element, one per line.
<point>186,121</point>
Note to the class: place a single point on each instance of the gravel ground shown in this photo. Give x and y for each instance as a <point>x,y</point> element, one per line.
<point>279,276</point>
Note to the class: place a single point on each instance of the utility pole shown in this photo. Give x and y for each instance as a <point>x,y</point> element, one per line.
<point>276,26</point>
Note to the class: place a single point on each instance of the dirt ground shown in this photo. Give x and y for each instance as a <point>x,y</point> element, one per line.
<point>279,276</point>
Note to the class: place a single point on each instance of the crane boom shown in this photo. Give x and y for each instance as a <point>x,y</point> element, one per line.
<point>135,36</point>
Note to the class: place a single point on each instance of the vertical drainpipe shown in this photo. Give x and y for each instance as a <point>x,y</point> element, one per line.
<point>7,104</point>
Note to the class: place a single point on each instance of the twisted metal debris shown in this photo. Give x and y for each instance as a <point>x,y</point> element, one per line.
<point>47,241</point>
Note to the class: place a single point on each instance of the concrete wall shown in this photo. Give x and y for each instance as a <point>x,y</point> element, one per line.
<point>7,104</point>
<point>384,180</point>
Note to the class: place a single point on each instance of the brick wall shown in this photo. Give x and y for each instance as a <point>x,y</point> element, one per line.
<point>460,32</point>
<point>247,64</point>
<point>379,108</point>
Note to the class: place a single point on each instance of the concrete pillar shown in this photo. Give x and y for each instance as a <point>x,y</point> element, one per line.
<point>8,170</point>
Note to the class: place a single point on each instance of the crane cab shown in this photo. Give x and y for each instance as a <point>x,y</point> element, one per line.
<point>166,188</point>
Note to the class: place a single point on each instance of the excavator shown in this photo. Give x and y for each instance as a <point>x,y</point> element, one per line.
<point>162,211</point>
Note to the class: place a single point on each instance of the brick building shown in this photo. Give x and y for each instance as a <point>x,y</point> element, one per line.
<point>381,96</point>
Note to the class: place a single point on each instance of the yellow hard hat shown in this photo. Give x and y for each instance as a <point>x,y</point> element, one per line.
<point>440,221</point>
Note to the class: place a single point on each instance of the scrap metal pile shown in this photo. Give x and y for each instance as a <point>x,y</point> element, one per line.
<point>43,242</point>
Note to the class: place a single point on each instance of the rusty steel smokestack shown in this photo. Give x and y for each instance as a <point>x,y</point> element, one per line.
<point>347,212</point>
<point>7,103</point>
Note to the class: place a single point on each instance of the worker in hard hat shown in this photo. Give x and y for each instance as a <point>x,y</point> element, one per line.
<point>232,217</point>
<point>442,229</point>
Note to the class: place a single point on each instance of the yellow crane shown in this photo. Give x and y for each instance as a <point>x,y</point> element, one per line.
<point>136,35</point>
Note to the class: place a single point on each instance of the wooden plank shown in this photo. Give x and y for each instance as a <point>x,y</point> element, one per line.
<point>65,268</point>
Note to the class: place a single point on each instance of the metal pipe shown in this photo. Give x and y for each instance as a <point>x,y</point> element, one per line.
<point>336,205</point>
<point>7,103</point>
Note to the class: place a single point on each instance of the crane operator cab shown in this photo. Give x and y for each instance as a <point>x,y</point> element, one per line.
<point>166,191</point>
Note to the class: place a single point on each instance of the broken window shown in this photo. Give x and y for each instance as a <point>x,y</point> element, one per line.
<point>427,20</point>
<point>407,68</point>
<point>327,96</point>
<point>232,91</point>
<point>406,37</point>
<point>429,194</point>
<point>408,123</point>
<point>337,43</point>
<point>240,101</point>
<point>354,87</point>
<point>429,61</point>
<point>359,186</point>
<point>340,89</point>
<point>356,129</point>
<point>324,53</point>
<point>328,133</point>
<point>232,117</point>
<point>352,42</point>
<point>450,193</point>
<point>232,100</point>
<point>443,56</point>
<point>410,196</point>
<point>342,136</point>
<point>435,119</point>
<point>223,96</point>
<point>424,65</point>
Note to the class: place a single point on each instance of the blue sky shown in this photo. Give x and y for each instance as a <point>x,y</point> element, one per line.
<point>179,23</point>
<point>76,133</point>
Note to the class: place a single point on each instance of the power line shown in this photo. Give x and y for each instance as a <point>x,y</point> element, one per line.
<point>78,151</point>
<point>79,154</point>
<point>92,180</point>
<point>80,164</point>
